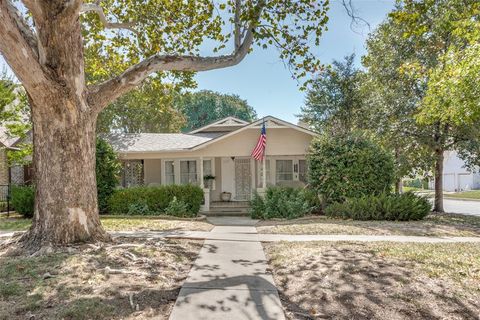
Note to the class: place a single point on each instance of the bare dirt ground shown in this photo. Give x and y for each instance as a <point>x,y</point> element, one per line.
<point>377,280</point>
<point>432,225</point>
<point>128,279</point>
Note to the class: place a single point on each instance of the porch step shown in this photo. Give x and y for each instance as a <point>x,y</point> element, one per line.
<point>225,214</point>
<point>229,209</point>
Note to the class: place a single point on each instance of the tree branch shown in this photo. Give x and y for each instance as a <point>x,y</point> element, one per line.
<point>103,94</point>
<point>237,35</point>
<point>19,47</point>
<point>95,7</point>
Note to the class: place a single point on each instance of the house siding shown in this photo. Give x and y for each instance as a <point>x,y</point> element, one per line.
<point>152,171</point>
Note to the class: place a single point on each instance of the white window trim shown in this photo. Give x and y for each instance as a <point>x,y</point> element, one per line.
<point>273,166</point>
<point>176,168</point>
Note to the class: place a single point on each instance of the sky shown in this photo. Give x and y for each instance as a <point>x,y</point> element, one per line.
<point>268,86</point>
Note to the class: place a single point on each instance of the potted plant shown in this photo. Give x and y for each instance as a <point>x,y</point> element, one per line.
<point>208,180</point>
<point>226,196</point>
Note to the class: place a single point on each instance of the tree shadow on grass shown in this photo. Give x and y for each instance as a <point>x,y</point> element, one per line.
<point>347,283</point>
<point>98,282</point>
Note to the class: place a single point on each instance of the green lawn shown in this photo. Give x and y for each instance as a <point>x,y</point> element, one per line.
<point>120,223</point>
<point>474,194</point>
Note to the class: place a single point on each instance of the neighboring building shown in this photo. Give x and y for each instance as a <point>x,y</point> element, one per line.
<point>455,176</point>
<point>222,150</point>
<point>17,174</point>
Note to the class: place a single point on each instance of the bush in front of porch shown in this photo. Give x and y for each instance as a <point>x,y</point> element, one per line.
<point>156,200</point>
<point>284,202</point>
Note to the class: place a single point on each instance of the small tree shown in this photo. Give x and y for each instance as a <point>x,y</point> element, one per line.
<point>108,171</point>
<point>349,166</point>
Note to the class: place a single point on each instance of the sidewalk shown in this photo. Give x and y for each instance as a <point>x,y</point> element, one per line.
<point>229,280</point>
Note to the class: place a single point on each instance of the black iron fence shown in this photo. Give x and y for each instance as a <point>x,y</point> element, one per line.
<point>5,198</point>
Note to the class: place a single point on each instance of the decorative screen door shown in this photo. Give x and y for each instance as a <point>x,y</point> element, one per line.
<point>243,182</point>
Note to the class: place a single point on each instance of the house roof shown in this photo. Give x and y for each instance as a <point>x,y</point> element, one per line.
<point>197,139</point>
<point>151,142</point>
<point>5,139</point>
<point>225,124</point>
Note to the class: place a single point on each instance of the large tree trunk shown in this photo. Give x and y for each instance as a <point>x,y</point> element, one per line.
<point>64,163</point>
<point>438,203</point>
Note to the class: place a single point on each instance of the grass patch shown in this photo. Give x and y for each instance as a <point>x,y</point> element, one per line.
<point>474,194</point>
<point>377,280</point>
<point>113,223</point>
<point>432,225</point>
<point>90,282</point>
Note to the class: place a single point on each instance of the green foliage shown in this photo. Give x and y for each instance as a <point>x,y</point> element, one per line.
<point>14,112</point>
<point>453,94</point>
<point>138,208</point>
<point>342,167</point>
<point>283,202</point>
<point>149,108</point>
<point>204,107</point>
<point>176,208</point>
<point>155,200</point>
<point>398,207</point>
<point>108,171</point>
<point>334,101</point>
<point>22,199</point>
<point>183,28</point>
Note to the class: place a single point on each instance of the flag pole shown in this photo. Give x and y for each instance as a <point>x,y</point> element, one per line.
<point>264,175</point>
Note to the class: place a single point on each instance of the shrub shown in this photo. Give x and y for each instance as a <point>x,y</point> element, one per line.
<point>348,167</point>
<point>23,199</point>
<point>399,207</point>
<point>176,208</point>
<point>138,208</point>
<point>283,202</point>
<point>156,198</point>
<point>108,171</point>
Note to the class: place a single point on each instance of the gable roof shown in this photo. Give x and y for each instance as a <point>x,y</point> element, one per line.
<point>272,122</point>
<point>197,139</point>
<point>5,139</point>
<point>225,124</point>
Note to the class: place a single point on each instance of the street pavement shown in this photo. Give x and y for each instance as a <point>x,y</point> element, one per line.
<point>462,206</point>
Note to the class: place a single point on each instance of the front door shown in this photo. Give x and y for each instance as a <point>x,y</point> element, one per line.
<point>243,181</point>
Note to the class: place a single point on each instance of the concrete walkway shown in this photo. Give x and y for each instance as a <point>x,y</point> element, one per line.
<point>229,279</point>
<point>221,234</point>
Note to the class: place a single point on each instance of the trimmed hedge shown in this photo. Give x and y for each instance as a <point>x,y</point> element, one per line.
<point>23,199</point>
<point>342,167</point>
<point>284,202</point>
<point>398,207</point>
<point>155,200</point>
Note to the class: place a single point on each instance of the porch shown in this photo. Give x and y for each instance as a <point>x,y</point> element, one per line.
<point>228,182</point>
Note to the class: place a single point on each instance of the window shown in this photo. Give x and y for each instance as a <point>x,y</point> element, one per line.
<point>284,170</point>
<point>302,170</point>
<point>260,173</point>
<point>132,173</point>
<point>188,172</point>
<point>169,172</point>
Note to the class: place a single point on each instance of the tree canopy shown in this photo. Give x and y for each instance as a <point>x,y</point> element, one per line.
<point>204,107</point>
<point>333,98</point>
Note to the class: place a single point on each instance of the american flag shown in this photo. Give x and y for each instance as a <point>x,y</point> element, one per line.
<point>259,151</point>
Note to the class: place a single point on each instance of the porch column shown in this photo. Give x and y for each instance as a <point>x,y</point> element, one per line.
<point>206,191</point>
<point>202,184</point>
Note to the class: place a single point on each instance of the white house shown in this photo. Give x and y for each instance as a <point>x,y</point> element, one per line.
<point>455,176</point>
<point>221,150</point>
